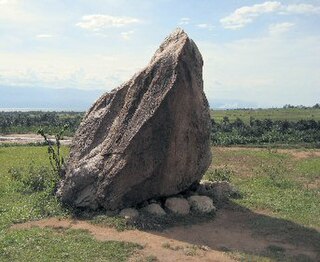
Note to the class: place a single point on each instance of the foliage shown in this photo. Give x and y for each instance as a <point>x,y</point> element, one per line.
<point>55,157</point>
<point>34,179</point>
<point>264,132</point>
<point>30,122</point>
<point>291,125</point>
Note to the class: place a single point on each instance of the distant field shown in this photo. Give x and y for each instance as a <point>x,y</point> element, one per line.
<point>298,127</point>
<point>290,114</point>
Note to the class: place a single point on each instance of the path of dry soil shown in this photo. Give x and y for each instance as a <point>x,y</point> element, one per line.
<point>230,230</point>
<point>28,138</point>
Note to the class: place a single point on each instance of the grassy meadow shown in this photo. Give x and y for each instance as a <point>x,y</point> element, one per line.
<point>282,184</point>
<point>281,187</point>
<point>278,187</point>
<point>289,114</point>
<point>20,205</point>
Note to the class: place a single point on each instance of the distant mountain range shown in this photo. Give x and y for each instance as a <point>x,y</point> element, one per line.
<point>68,99</point>
<point>47,98</point>
<point>230,104</point>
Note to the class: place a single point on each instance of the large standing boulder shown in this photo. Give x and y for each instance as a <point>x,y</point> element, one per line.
<point>148,138</point>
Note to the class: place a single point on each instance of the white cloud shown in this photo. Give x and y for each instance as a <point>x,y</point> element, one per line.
<point>44,36</point>
<point>202,25</point>
<point>246,14</point>
<point>98,22</point>
<point>65,70</point>
<point>127,35</point>
<point>302,9</point>
<point>263,70</point>
<point>13,11</point>
<point>184,21</point>
<point>205,26</point>
<point>280,28</point>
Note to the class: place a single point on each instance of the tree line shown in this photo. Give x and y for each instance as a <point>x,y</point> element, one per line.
<point>50,122</point>
<point>224,132</point>
<point>316,106</point>
<point>266,131</point>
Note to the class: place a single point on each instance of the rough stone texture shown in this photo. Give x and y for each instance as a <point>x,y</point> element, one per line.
<point>201,204</point>
<point>129,213</point>
<point>219,191</point>
<point>177,205</point>
<point>154,209</point>
<point>148,138</point>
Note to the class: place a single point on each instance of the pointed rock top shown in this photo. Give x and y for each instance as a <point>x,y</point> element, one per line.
<point>173,44</point>
<point>178,32</point>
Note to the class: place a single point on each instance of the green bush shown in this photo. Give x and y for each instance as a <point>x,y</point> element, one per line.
<point>265,131</point>
<point>34,179</point>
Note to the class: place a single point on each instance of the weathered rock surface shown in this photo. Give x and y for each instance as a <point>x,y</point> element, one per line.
<point>148,138</point>
<point>177,205</point>
<point>154,209</point>
<point>201,204</point>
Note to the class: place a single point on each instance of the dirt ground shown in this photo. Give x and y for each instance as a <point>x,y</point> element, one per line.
<point>231,230</point>
<point>28,138</point>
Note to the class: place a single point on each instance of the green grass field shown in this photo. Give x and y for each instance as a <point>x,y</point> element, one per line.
<point>290,114</point>
<point>282,184</point>
<point>281,188</point>
<point>43,244</point>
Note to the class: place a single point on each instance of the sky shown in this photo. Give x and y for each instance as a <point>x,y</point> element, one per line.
<point>256,53</point>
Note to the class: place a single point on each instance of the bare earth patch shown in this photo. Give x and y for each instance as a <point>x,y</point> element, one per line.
<point>28,138</point>
<point>231,230</point>
<point>153,243</point>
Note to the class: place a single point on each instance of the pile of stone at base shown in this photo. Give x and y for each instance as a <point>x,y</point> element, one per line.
<point>203,198</point>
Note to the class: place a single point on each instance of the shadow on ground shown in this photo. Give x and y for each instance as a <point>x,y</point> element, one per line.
<point>242,232</point>
<point>237,231</point>
<point>233,229</point>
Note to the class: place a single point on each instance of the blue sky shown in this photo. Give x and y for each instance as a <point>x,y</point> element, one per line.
<point>257,53</point>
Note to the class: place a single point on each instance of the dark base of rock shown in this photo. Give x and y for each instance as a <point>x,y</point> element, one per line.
<point>155,214</point>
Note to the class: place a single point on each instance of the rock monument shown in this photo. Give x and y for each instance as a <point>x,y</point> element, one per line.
<point>148,138</point>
